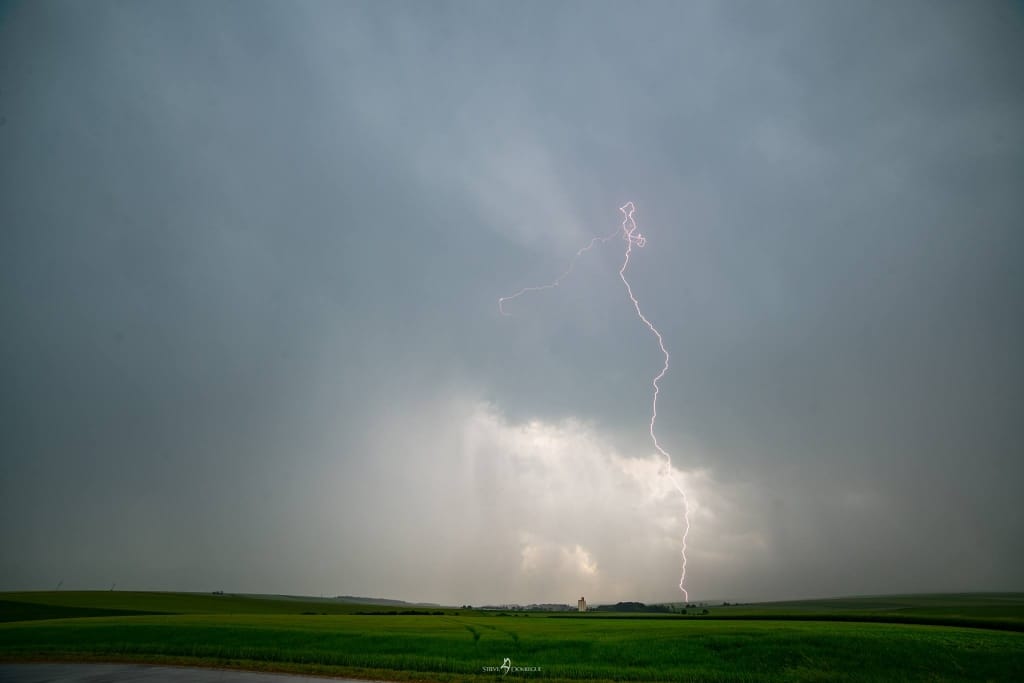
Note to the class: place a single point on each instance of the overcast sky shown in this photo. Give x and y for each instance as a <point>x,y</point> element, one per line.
<point>251,253</point>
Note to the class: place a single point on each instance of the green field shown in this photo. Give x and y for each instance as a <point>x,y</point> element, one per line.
<point>927,638</point>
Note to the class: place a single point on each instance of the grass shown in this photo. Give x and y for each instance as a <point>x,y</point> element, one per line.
<point>745,643</point>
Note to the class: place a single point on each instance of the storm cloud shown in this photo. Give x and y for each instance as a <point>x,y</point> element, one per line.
<point>251,253</point>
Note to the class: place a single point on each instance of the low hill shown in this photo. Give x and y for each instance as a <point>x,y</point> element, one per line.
<point>29,605</point>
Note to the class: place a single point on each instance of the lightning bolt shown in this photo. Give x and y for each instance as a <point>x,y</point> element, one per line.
<point>557,281</point>
<point>632,236</point>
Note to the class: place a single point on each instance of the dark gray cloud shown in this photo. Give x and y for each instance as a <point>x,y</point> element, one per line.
<point>251,256</point>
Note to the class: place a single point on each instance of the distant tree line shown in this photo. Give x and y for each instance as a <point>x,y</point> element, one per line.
<point>632,607</point>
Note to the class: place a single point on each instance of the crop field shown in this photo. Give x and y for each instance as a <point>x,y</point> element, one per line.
<point>952,637</point>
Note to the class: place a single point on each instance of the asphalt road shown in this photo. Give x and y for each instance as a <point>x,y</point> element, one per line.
<point>129,673</point>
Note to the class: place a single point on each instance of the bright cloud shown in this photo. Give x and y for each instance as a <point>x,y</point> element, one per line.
<point>544,511</point>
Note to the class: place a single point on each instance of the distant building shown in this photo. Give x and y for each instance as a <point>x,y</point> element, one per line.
<point>582,604</point>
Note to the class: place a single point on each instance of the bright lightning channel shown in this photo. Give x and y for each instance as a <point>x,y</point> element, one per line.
<point>632,236</point>
<point>558,280</point>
